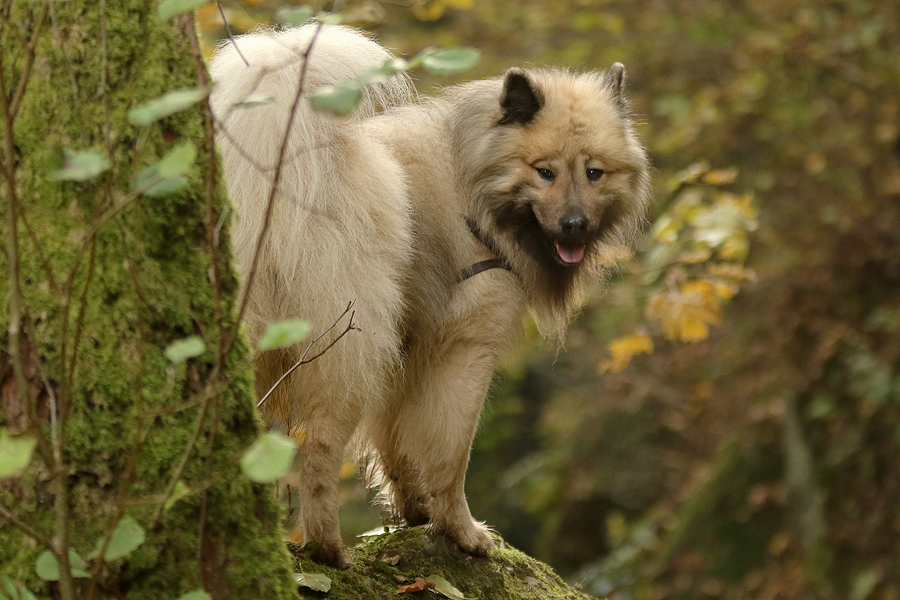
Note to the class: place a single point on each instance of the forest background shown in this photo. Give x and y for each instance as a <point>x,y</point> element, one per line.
<point>751,451</point>
<point>724,420</point>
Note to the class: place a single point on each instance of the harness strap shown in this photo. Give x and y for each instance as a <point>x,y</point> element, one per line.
<point>491,263</point>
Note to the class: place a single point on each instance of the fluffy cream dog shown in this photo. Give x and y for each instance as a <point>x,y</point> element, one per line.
<point>444,220</point>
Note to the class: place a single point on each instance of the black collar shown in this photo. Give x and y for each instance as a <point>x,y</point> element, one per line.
<point>491,263</point>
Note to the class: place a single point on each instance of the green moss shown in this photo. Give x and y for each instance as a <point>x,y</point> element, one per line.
<point>383,563</point>
<point>142,283</point>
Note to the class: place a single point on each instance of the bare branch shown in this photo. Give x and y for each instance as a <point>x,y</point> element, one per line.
<point>251,275</point>
<point>29,61</point>
<point>303,360</point>
<point>211,176</point>
<point>228,32</point>
<point>38,536</point>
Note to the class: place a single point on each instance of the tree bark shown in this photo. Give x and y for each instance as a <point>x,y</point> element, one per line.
<point>101,281</point>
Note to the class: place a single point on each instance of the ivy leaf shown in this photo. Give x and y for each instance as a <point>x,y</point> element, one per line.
<point>442,586</point>
<point>12,590</point>
<point>47,568</point>
<point>294,15</point>
<point>80,165</point>
<point>314,581</point>
<point>170,8</point>
<point>15,453</point>
<point>166,187</point>
<point>341,99</point>
<point>195,595</point>
<point>177,161</point>
<point>269,458</point>
<point>327,18</point>
<point>125,539</point>
<point>189,347</point>
<point>448,61</point>
<point>255,100</point>
<point>167,104</point>
<point>283,334</point>
<point>181,490</point>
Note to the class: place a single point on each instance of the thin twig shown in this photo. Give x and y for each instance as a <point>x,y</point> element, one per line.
<point>40,251</point>
<point>29,61</point>
<point>303,360</point>
<point>211,177</point>
<point>12,222</point>
<point>228,32</point>
<point>38,536</point>
<point>182,463</point>
<point>270,205</point>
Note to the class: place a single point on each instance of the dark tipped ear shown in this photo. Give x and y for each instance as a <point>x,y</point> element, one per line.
<point>616,79</point>
<point>520,100</point>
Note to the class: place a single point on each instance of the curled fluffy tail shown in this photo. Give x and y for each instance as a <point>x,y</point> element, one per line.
<point>339,229</point>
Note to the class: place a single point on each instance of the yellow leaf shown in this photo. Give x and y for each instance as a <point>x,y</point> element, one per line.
<point>623,349</point>
<point>348,469</point>
<point>687,313</point>
<point>429,10</point>
<point>721,176</point>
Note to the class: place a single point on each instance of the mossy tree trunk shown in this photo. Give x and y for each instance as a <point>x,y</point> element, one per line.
<point>100,281</point>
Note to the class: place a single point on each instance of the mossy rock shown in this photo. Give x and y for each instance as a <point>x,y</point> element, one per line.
<point>388,561</point>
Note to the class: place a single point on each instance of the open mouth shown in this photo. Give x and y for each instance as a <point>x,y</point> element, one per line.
<point>570,253</point>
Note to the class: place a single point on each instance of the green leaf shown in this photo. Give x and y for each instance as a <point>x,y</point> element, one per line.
<point>170,8</point>
<point>189,347</point>
<point>167,104</point>
<point>125,539</point>
<point>448,61</point>
<point>341,99</point>
<point>166,187</point>
<point>15,453</point>
<point>314,581</point>
<point>181,490</point>
<point>195,595</point>
<point>327,18</point>
<point>294,15</point>
<point>12,590</point>
<point>443,586</point>
<point>255,100</point>
<point>80,166</point>
<point>47,568</point>
<point>269,458</point>
<point>283,334</point>
<point>178,161</point>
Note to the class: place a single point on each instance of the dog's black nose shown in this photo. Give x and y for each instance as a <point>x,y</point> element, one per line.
<point>573,224</point>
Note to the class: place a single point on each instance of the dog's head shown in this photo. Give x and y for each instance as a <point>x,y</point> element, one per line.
<point>576,178</point>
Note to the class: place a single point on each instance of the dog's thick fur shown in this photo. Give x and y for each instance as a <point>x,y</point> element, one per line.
<point>540,169</point>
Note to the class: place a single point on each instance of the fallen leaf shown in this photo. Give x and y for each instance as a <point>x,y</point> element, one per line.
<point>443,587</point>
<point>417,586</point>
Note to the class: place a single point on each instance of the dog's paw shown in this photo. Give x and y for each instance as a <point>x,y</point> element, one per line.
<point>332,555</point>
<point>474,539</point>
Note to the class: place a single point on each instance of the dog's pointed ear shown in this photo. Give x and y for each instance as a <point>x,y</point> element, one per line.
<point>615,78</point>
<point>521,100</point>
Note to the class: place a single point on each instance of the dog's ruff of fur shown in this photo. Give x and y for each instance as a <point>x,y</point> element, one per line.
<point>539,168</point>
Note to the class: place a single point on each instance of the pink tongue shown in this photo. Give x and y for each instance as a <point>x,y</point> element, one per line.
<point>570,253</point>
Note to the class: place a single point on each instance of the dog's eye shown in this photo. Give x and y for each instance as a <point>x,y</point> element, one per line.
<point>546,174</point>
<point>594,174</point>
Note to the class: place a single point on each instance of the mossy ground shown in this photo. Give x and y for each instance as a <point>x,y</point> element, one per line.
<point>382,564</point>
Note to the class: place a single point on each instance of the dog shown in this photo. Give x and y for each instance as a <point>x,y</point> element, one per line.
<point>446,221</point>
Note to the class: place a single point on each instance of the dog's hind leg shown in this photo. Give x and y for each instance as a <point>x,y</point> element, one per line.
<point>329,427</point>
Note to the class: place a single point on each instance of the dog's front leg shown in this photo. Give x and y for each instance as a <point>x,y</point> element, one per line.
<point>433,425</point>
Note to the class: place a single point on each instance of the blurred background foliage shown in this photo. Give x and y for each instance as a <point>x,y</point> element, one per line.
<point>724,421</point>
